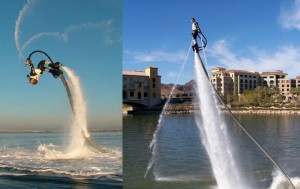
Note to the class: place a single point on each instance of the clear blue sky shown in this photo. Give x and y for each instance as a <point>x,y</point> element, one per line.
<point>252,35</point>
<point>88,39</point>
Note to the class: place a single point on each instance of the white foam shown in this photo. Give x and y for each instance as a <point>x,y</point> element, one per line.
<point>79,126</point>
<point>280,182</point>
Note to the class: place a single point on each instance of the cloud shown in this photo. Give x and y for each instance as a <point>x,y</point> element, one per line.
<point>155,56</point>
<point>289,17</point>
<point>172,74</point>
<point>286,58</point>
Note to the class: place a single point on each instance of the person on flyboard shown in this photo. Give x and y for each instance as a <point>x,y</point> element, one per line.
<point>35,73</point>
<point>195,31</point>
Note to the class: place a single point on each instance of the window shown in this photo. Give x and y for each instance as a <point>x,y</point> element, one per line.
<point>282,85</point>
<point>153,95</point>
<point>139,95</point>
<point>145,95</point>
<point>124,94</point>
<point>153,79</point>
<point>153,85</point>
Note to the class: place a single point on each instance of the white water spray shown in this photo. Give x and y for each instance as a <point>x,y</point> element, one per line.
<point>154,139</point>
<point>33,38</point>
<point>18,23</point>
<point>65,35</point>
<point>78,131</point>
<point>214,135</point>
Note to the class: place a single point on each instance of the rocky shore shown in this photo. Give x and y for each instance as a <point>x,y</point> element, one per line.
<point>266,111</point>
<point>188,109</point>
<point>174,109</point>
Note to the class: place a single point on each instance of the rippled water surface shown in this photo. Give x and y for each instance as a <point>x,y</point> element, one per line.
<point>40,160</point>
<point>182,160</point>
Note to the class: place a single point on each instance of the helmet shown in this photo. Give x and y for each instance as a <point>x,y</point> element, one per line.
<point>33,81</point>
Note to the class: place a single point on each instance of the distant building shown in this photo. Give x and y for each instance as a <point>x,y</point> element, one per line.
<point>285,86</point>
<point>142,87</point>
<point>222,81</point>
<point>270,79</point>
<point>234,81</point>
<point>297,82</point>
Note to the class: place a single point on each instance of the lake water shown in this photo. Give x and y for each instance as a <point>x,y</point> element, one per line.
<point>182,161</point>
<point>39,160</point>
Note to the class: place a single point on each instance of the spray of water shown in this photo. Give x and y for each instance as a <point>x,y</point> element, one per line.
<point>42,34</point>
<point>154,139</point>
<point>18,23</point>
<point>78,130</point>
<point>65,35</point>
<point>214,134</point>
<point>280,182</point>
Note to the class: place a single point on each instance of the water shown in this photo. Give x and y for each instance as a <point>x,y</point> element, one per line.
<point>184,163</point>
<point>32,160</point>
<point>214,135</point>
<point>79,127</point>
<point>161,116</point>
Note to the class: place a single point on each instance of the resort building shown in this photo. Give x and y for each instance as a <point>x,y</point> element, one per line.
<point>142,87</point>
<point>269,79</point>
<point>285,86</point>
<point>297,82</point>
<point>234,81</point>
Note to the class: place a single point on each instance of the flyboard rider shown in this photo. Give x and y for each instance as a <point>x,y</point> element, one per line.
<point>35,73</point>
<point>195,31</point>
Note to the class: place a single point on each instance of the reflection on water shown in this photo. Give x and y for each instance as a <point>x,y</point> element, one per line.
<point>183,163</point>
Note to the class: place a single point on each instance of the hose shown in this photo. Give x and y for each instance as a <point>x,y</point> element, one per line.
<point>39,51</point>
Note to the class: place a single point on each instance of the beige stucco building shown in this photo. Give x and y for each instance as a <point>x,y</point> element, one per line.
<point>269,79</point>
<point>142,87</point>
<point>234,81</point>
<point>285,86</point>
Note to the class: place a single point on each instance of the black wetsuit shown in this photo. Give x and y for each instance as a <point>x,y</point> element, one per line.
<point>55,71</point>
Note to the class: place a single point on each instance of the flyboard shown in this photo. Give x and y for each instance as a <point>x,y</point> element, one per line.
<point>88,139</point>
<point>196,49</point>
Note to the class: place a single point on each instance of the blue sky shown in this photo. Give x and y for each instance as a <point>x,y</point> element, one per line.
<point>83,35</point>
<point>251,35</point>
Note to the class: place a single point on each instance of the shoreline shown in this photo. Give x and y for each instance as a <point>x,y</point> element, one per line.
<point>189,109</point>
